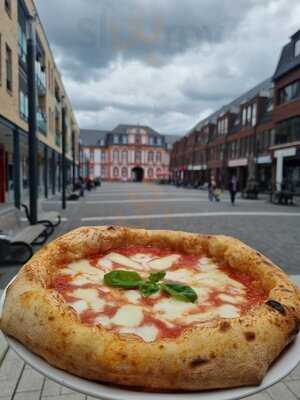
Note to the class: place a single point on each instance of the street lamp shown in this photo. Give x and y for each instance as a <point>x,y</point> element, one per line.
<point>32,122</point>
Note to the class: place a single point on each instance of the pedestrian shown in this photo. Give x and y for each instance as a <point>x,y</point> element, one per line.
<point>233,186</point>
<point>213,192</point>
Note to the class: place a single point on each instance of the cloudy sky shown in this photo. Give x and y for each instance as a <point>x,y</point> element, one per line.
<point>163,63</point>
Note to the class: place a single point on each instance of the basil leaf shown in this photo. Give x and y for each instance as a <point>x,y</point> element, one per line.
<point>180,292</point>
<point>123,279</point>
<point>157,276</point>
<point>148,288</point>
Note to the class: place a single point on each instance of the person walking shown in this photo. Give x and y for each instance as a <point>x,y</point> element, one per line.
<point>233,186</point>
<point>213,192</point>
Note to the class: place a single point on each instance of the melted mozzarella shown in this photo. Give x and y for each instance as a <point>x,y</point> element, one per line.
<point>105,263</point>
<point>142,259</point>
<point>67,271</point>
<point>133,296</point>
<point>123,260</point>
<point>228,311</point>
<point>79,306</point>
<point>163,263</point>
<point>91,298</point>
<point>202,293</point>
<point>171,309</point>
<point>84,279</point>
<point>147,332</point>
<point>103,320</point>
<point>84,267</point>
<point>231,299</point>
<point>200,317</point>
<point>180,275</point>
<point>128,316</point>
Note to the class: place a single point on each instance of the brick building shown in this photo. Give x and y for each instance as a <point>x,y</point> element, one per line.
<point>127,153</point>
<point>255,136</point>
<point>52,97</point>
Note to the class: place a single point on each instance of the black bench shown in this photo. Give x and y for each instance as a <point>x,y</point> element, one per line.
<point>49,218</point>
<point>282,197</point>
<point>15,238</point>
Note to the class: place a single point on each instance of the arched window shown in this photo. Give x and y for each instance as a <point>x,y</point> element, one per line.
<point>150,156</point>
<point>124,156</point>
<point>116,156</point>
<point>138,156</point>
<point>150,173</point>
<point>116,172</point>
<point>158,157</point>
<point>158,172</point>
<point>124,172</point>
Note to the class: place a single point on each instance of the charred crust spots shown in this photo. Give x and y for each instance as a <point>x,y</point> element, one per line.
<point>294,331</point>
<point>276,306</point>
<point>224,326</point>
<point>250,336</point>
<point>51,318</point>
<point>198,361</point>
<point>212,355</point>
<point>161,346</point>
<point>235,346</point>
<point>111,228</point>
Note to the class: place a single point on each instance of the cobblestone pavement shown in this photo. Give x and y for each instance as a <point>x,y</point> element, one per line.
<point>272,229</point>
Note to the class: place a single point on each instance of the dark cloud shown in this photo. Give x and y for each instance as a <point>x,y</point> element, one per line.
<point>90,34</point>
<point>165,63</point>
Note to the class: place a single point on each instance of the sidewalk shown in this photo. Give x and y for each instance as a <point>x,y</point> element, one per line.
<point>20,382</point>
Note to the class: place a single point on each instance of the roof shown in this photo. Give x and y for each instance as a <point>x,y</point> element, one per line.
<point>171,139</point>
<point>122,128</point>
<point>262,89</point>
<point>287,60</point>
<point>91,137</point>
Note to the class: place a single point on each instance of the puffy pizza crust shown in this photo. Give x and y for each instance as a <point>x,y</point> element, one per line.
<point>216,354</point>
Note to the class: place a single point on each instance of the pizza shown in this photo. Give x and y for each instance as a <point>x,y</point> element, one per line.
<point>154,310</point>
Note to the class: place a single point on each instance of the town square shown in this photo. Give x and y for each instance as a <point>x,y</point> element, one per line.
<point>133,139</point>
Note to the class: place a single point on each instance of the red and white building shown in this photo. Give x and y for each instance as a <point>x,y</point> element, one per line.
<point>127,153</point>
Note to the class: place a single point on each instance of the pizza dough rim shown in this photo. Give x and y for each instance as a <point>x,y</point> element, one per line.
<point>217,354</point>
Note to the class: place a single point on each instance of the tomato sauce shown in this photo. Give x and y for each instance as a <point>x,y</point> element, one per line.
<point>163,329</point>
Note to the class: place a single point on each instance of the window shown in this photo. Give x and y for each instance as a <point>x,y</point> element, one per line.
<point>22,42</point>
<point>158,157</point>
<point>249,115</point>
<point>124,172</point>
<point>289,92</point>
<point>124,139</point>
<point>8,61</point>
<point>159,141</point>
<point>244,116</point>
<point>151,142</point>
<point>116,139</point>
<point>23,105</point>
<point>150,173</point>
<point>138,156</point>
<point>288,131</point>
<point>116,172</point>
<point>137,139</point>
<point>124,156</point>
<point>7,4</point>
<point>226,126</point>
<point>103,156</point>
<point>116,156</point>
<point>150,156</point>
<point>92,155</point>
<point>297,48</point>
<point>254,112</point>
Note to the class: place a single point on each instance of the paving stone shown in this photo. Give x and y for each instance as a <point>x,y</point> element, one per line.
<point>281,392</point>
<point>27,396</point>
<point>294,386</point>
<point>260,396</point>
<point>66,390</point>
<point>294,374</point>
<point>76,396</point>
<point>51,388</point>
<point>30,381</point>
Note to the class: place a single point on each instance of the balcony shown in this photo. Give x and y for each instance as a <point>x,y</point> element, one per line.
<point>42,122</point>
<point>40,79</point>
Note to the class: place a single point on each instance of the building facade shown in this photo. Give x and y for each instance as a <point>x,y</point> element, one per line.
<point>127,153</point>
<point>52,100</point>
<point>256,136</point>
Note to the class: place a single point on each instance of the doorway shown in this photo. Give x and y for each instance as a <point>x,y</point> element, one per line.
<point>2,175</point>
<point>137,174</point>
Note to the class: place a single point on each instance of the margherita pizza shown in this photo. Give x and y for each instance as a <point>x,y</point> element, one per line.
<point>157,310</point>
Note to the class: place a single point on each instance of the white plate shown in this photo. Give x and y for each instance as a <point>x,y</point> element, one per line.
<point>281,368</point>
